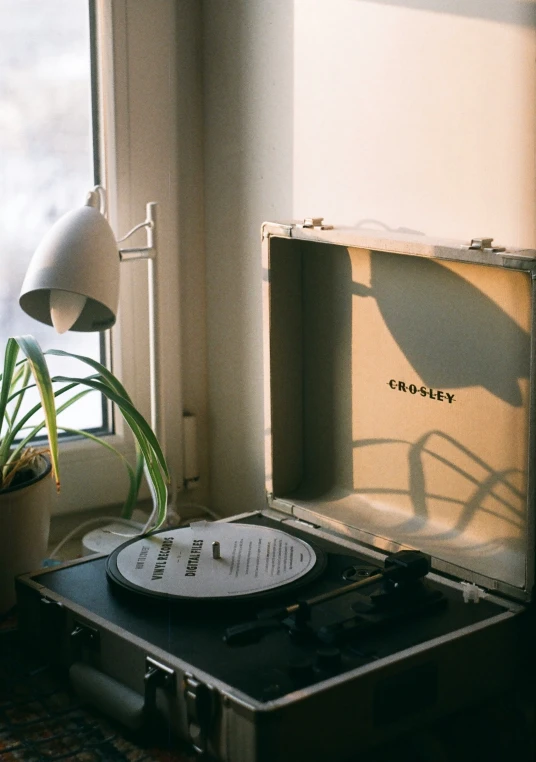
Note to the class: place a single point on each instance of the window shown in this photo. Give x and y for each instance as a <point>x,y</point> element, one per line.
<point>47,157</point>
<point>136,102</point>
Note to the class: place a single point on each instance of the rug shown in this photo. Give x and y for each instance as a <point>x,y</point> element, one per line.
<point>41,720</point>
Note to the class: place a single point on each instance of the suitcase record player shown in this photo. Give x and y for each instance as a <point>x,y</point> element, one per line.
<point>388,579</point>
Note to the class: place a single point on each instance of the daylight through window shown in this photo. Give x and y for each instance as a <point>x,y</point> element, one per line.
<point>46,159</point>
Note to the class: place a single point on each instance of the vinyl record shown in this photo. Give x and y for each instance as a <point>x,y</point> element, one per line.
<point>216,561</point>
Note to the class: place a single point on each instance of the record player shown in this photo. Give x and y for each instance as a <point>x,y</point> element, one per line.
<point>388,580</point>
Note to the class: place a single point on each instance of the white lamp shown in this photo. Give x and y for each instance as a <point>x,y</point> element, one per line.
<point>72,281</point>
<point>73,277</point>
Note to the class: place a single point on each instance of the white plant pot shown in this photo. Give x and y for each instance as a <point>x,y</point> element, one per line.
<point>24,529</point>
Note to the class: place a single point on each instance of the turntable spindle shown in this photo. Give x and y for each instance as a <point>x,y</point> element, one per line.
<point>216,550</point>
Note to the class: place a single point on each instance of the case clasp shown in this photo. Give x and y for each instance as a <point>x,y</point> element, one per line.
<point>157,676</point>
<point>84,637</point>
<point>471,592</point>
<point>199,711</point>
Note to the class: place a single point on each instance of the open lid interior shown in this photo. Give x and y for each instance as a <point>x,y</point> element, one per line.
<point>399,402</point>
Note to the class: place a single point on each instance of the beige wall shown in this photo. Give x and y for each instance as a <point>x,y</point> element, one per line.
<point>419,115</point>
<point>191,232</point>
<point>248,178</point>
<point>422,119</point>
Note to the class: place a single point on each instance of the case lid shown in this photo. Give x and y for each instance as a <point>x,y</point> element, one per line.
<point>399,395</point>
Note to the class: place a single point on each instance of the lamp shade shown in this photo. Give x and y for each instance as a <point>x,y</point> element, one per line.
<point>78,255</point>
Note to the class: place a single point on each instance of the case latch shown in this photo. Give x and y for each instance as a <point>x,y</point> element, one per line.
<point>157,675</point>
<point>484,244</point>
<point>199,702</point>
<point>84,638</point>
<point>471,592</point>
<point>51,639</point>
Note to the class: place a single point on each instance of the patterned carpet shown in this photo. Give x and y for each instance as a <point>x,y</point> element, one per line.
<point>42,721</point>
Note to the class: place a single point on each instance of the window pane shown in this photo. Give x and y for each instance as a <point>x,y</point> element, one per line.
<point>46,159</point>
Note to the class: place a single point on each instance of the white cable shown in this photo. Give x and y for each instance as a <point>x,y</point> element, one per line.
<point>203,508</point>
<point>175,519</point>
<point>134,230</point>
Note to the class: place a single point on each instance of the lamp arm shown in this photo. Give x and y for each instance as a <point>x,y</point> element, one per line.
<point>149,253</point>
<point>142,252</point>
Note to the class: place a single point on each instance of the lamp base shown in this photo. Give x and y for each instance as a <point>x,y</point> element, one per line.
<point>109,537</point>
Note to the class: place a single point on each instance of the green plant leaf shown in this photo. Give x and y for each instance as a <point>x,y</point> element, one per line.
<point>10,359</point>
<point>139,475</point>
<point>39,368</point>
<point>14,384</point>
<point>34,431</point>
<point>21,424</point>
<point>108,378</point>
<point>155,467</point>
<point>138,424</point>
<point>133,490</point>
<point>106,375</point>
<point>22,374</point>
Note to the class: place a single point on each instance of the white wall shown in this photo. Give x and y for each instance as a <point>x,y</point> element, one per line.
<point>248,178</point>
<point>423,119</point>
<point>416,114</point>
<point>191,232</point>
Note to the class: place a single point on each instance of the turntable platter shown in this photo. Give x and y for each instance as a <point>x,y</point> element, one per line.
<point>214,561</point>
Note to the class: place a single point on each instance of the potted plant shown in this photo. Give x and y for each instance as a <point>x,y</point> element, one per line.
<point>24,466</point>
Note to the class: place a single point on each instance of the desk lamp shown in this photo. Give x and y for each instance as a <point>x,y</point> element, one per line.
<point>72,282</point>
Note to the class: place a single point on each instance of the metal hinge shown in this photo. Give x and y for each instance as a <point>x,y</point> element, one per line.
<point>316,223</point>
<point>199,700</point>
<point>484,244</point>
<point>51,604</point>
<point>308,524</point>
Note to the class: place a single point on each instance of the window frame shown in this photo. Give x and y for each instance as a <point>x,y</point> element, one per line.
<point>136,71</point>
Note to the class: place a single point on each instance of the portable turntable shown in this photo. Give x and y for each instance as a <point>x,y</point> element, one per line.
<point>389,579</point>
